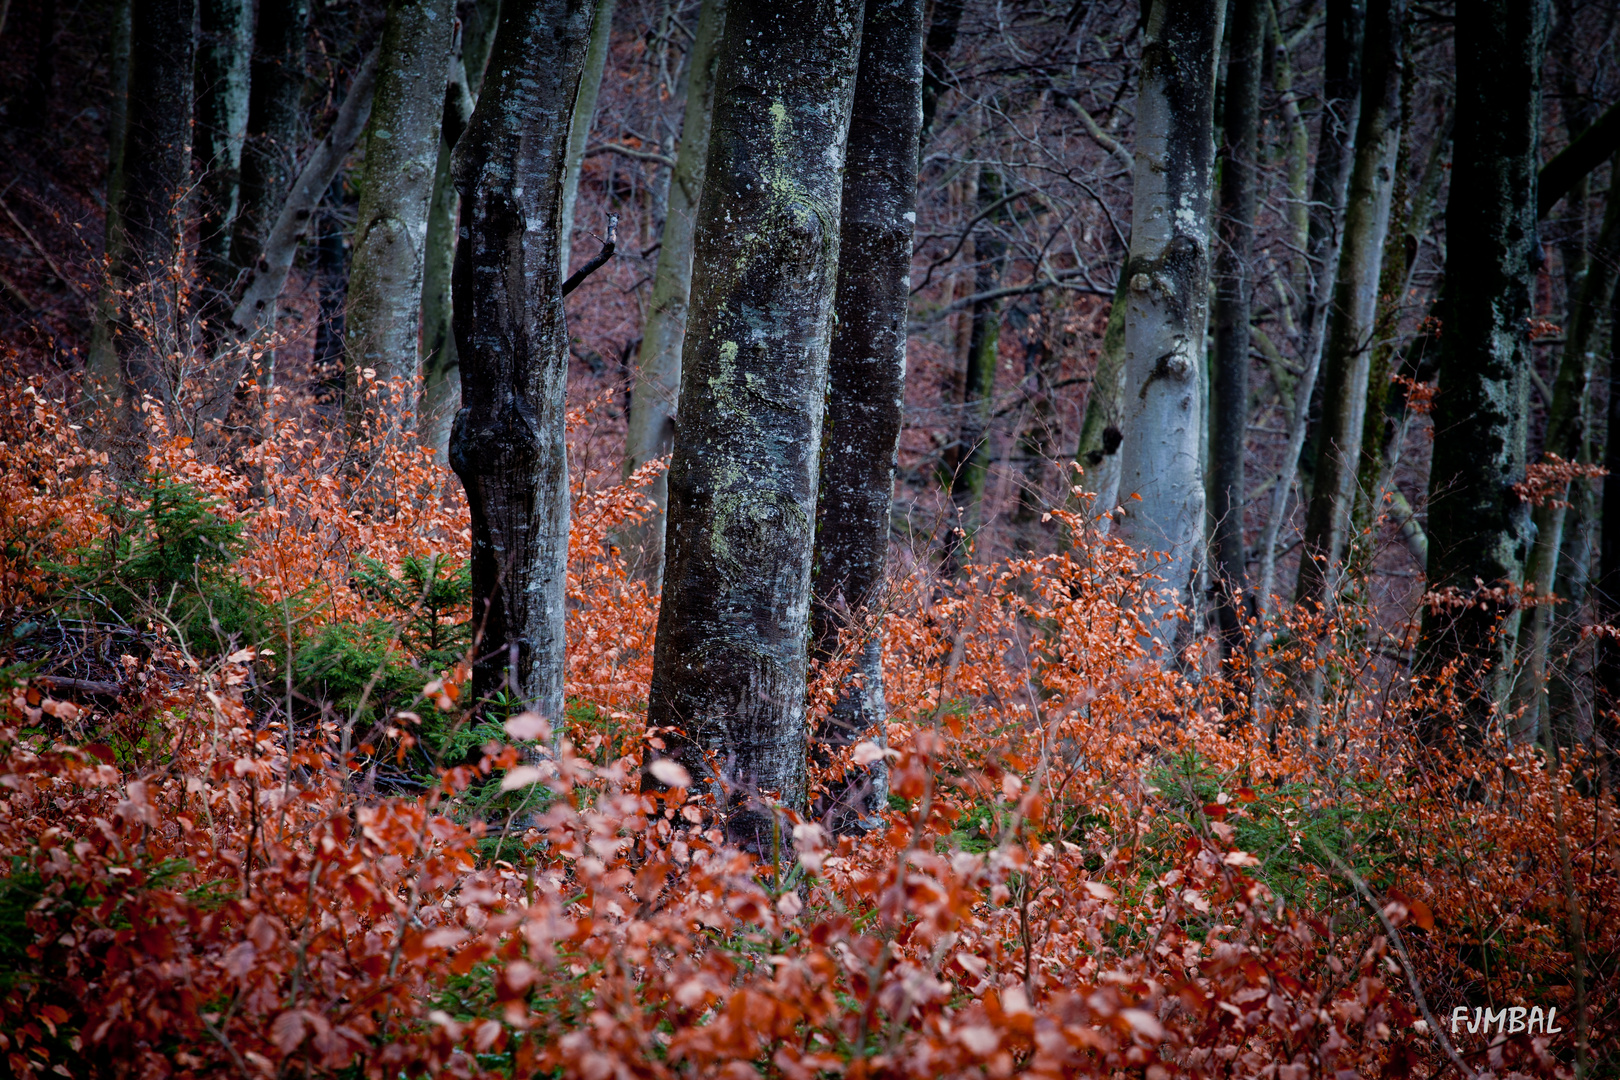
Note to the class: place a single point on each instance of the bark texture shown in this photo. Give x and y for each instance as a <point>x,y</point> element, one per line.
<point>1100,435</point>
<point>1479,528</point>
<point>579,128</point>
<point>1606,594</point>
<point>729,667</point>
<point>507,442</point>
<point>866,386</point>
<point>650,429</point>
<point>145,224</point>
<point>1353,323</point>
<point>942,28</point>
<point>1161,482</point>
<point>396,190</point>
<point>1234,285</point>
<point>224,49</point>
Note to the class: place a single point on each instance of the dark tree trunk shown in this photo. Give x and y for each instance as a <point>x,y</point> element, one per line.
<point>942,27</point>
<point>1606,595</point>
<point>142,242</point>
<point>390,240</point>
<point>1354,317</point>
<point>867,375</point>
<point>507,442</point>
<point>1479,528</point>
<point>1229,385</point>
<point>729,667</point>
<point>224,49</point>
<point>969,459</point>
<point>269,156</point>
<point>332,283</point>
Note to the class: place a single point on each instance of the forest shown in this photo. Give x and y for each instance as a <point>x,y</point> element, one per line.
<point>639,539</point>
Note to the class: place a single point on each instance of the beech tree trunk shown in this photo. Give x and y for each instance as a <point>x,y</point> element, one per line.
<point>1354,318</point>
<point>729,666</point>
<point>650,428</point>
<point>866,388</point>
<point>270,153</point>
<point>1479,527</point>
<point>390,240</point>
<point>970,458</point>
<point>507,442</point>
<point>145,227</point>
<point>1606,594</point>
<point>579,128</point>
<point>225,47</point>
<point>1234,278</point>
<point>1161,483</point>
<point>942,28</point>
<point>1100,435</point>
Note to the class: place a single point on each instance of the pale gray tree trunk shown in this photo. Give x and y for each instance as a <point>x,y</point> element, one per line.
<point>1161,485</point>
<point>729,666</point>
<point>650,428</point>
<point>579,127</point>
<point>508,441</point>
<point>866,388</point>
<point>1234,292</point>
<point>1354,319</point>
<point>143,243</point>
<point>396,189</point>
<point>1479,527</point>
<point>225,47</point>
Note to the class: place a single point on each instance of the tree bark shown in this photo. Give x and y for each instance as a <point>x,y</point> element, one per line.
<point>507,443</point>
<point>1606,594</point>
<point>225,48</point>
<point>650,429</point>
<point>1100,435</point>
<point>866,388</point>
<point>274,111</point>
<point>1234,277</point>
<point>441,373</point>
<point>1567,436</point>
<point>146,224</point>
<point>579,128</point>
<point>1479,528</point>
<point>729,666</point>
<point>1160,480</point>
<point>1354,318</point>
<point>390,242</point>
<point>970,457</point>
<point>332,289</point>
<point>941,38</point>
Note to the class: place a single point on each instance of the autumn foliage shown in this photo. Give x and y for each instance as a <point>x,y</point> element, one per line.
<point>1084,870</point>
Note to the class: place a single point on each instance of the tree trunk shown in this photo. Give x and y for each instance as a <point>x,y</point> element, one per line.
<point>866,394</point>
<point>1354,319</point>
<point>1606,595</point>
<point>579,128</point>
<point>332,287</point>
<point>507,443</point>
<point>143,242</point>
<point>274,112</point>
<point>947,17</point>
<point>225,47</point>
<point>1100,435</point>
<point>1479,528</point>
<point>390,241</point>
<point>1234,277</point>
<point>729,667</point>
<point>970,457</point>
<point>1567,436</point>
<point>441,373</point>
<point>650,428</point>
<point>1168,305</point>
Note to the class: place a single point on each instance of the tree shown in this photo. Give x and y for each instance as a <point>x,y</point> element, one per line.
<point>1161,481</point>
<point>1479,534</point>
<point>224,49</point>
<point>1239,196</point>
<point>402,148</point>
<point>729,665</point>
<point>507,442</point>
<point>274,114</point>
<point>650,427</point>
<point>579,127</point>
<point>146,190</point>
<point>1353,325</point>
<point>866,384</point>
